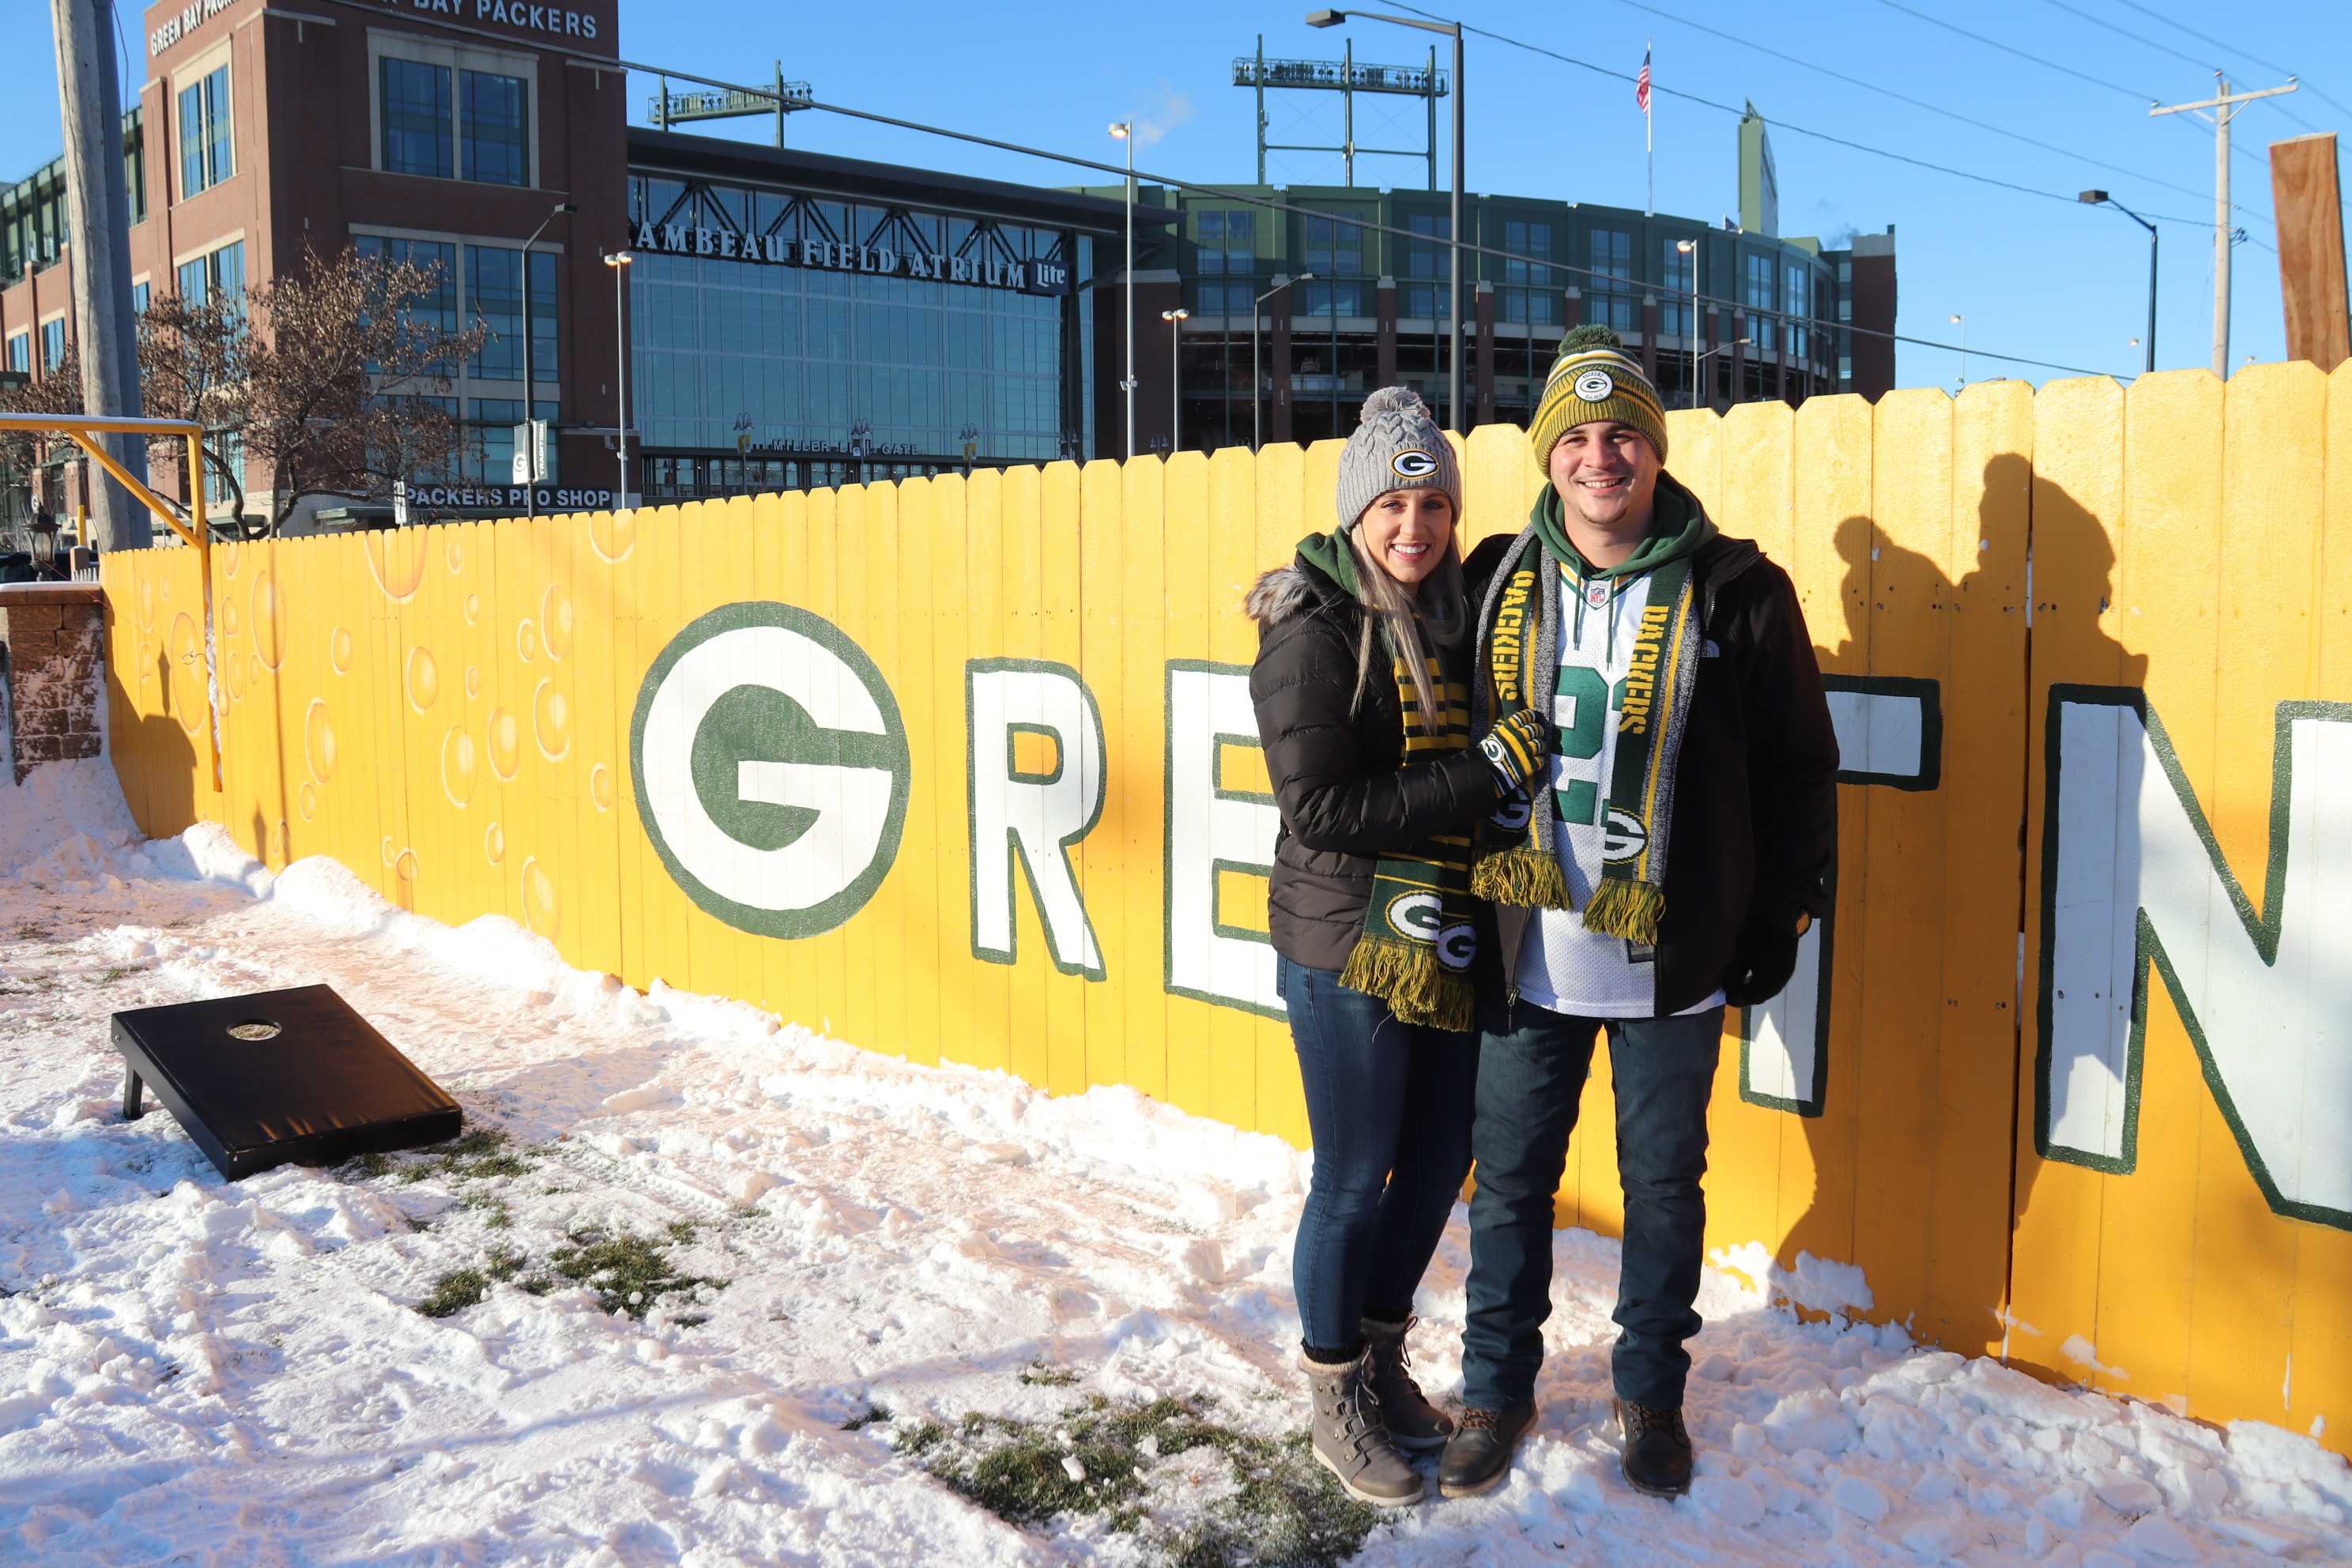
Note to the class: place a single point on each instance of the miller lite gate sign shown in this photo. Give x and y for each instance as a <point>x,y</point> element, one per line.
<point>966,769</point>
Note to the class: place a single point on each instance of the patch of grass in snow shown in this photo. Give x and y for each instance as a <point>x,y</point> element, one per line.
<point>1285,1508</point>
<point>628,1272</point>
<point>463,1288</point>
<point>1037,1375</point>
<point>874,1411</point>
<point>114,972</point>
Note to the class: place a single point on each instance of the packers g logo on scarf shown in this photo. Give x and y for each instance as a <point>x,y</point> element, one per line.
<point>1413,464</point>
<point>1594,385</point>
<point>1513,814</point>
<point>1423,915</point>
<point>1622,837</point>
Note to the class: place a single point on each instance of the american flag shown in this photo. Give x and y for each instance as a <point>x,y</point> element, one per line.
<point>1642,84</point>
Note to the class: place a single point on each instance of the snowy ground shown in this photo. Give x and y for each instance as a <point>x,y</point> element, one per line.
<point>191,1371</point>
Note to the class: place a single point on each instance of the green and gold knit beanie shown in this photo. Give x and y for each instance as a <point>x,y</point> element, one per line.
<point>1595,378</point>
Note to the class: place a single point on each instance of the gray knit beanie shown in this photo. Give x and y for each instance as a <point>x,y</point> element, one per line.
<point>1397,446</point>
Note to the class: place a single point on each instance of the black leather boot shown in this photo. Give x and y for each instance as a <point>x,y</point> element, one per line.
<point>1657,1459</point>
<point>1478,1456</point>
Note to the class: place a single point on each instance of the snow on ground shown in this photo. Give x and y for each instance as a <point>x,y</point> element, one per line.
<point>194,1372</point>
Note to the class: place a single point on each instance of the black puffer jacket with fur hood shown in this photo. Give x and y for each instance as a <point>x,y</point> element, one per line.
<point>1338,767</point>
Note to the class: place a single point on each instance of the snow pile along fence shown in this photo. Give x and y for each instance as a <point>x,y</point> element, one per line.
<point>966,769</point>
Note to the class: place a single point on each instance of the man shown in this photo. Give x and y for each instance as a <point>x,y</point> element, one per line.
<point>1687,837</point>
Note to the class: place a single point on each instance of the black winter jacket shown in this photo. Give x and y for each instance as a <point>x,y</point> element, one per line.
<point>1339,781</point>
<point>1754,823</point>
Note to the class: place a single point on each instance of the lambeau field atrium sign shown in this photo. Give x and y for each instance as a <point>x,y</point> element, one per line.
<point>1035,276</point>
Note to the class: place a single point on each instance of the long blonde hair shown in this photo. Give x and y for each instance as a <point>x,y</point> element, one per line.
<point>1400,617</point>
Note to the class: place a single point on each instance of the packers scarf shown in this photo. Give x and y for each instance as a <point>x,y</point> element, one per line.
<point>1418,939</point>
<point>1518,646</point>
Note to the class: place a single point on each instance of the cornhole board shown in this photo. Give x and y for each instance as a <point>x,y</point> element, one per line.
<point>276,1077</point>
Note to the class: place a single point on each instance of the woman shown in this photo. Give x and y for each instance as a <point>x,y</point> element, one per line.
<point>1362,652</point>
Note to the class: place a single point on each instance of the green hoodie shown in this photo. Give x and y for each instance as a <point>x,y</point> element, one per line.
<point>1678,526</point>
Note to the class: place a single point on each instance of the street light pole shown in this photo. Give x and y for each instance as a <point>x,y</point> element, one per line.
<point>1453,235</point>
<point>1175,320</point>
<point>1256,440</point>
<point>2101,198</point>
<point>619,261</point>
<point>1690,248</point>
<point>529,404</point>
<point>1125,131</point>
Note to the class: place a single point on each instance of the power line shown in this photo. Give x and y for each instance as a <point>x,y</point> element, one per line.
<point>1905,98</point>
<point>2042,61</point>
<point>2218,44</point>
<point>2123,32</point>
<point>1811,323</point>
<point>2069,199</point>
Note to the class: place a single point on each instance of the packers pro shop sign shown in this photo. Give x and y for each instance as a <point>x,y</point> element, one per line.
<point>771,769</point>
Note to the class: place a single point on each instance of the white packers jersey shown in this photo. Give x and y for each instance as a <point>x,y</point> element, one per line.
<point>1563,967</point>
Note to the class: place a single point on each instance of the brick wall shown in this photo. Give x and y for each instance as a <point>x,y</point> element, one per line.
<point>49,642</point>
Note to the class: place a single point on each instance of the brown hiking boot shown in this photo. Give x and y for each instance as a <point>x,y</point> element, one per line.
<point>1657,1457</point>
<point>1352,1441</point>
<point>1478,1456</point>
<point>1412,1421</point>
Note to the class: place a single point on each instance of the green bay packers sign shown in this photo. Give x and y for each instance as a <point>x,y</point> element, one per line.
<point>771,769</point>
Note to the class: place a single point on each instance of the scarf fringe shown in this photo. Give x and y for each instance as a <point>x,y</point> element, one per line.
<point>1627,909</point>
<point>1408,977</point>
<point>1524,877</point>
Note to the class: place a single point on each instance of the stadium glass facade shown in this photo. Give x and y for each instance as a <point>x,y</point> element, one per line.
<point>807,328</point>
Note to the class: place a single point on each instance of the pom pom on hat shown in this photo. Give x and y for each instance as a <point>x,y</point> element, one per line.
<point>1394,400</point>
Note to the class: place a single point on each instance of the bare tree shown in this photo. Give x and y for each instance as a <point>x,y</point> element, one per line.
<point>332,380</point>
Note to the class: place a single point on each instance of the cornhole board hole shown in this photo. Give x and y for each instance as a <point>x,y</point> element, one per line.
<point>277,1078</point>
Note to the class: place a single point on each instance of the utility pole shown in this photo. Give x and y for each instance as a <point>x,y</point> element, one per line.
<point>98,240</point>
<point>2225,106</point>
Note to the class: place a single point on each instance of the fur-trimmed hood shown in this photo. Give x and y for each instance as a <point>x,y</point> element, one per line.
<point>1284,592</point>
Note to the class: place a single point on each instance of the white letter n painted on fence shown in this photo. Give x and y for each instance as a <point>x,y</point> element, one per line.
<point>1212,828</point>
<point>2133,878</point>
<point>1032,817</point>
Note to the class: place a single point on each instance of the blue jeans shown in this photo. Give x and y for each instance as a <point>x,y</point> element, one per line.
<point>1530,1082</point>
<point>1389,1106</point>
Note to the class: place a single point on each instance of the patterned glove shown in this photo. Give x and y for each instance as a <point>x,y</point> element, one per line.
<point>1517,744</point>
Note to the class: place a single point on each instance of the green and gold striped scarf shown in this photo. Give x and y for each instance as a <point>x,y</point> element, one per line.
<point>1419,938</point>
<point>1518,646</point>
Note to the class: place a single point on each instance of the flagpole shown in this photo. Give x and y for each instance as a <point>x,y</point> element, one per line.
<point>1649,141</point>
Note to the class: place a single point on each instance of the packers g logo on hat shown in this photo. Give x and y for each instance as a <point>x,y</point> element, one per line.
<point>1594,385</point>
<point>1412,463</point>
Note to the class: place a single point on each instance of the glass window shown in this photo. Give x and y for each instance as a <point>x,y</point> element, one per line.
<point>220,272</point>
<point>494,112</point>
<point>1427,260</point>
<point>139,296</point>
<point>1525,239</point>
<point>1800,301</point>
<point>1334,249</point>
<point>413,105</point>
<point>226,452</point>
<point>1845,367</point>
<point>1757,295</point>
<point>53,344</point>
<point>20,351</point>
<point>1674,298</point>
<point>1612,254</point>
<point>494,295</point>
<point>205,159</point>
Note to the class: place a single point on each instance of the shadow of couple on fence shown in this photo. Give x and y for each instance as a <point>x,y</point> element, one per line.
<point>1921,1154</point>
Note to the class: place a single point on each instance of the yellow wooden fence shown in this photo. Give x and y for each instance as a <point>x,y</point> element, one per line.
<point>965,769</point>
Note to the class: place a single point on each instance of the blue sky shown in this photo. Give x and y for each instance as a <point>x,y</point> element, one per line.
<point>2047,279</point>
